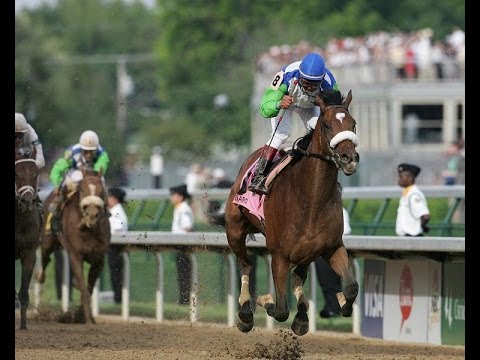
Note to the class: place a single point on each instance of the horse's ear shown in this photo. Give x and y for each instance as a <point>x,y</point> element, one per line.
<point>100,172</point>
<point>348,99</point>
<point>319,102</point>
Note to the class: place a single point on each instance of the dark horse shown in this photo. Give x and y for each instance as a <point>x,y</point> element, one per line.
<point>27,224</point>
<point>85,234</point>
<point>303,216</point>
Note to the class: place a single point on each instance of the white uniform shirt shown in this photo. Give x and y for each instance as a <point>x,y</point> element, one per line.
<point>118,219</point>
<point>182,218</point>
<point>411,208</point>
<point>347,229</point>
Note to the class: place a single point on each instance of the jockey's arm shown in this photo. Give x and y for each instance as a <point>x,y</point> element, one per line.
<point>102,162</point>
<point>269,105</point>
<point>59,170</point>
<point>32,135</point>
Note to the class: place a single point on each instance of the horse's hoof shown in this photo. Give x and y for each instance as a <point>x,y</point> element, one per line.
<point>300,324</point>
<point>245,314</point>
<point>270,309</point>
<point>281,317</point>
<point>244,327</point>
<point>346,310</point>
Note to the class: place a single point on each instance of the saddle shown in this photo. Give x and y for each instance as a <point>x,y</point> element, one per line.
<point>281,160</point>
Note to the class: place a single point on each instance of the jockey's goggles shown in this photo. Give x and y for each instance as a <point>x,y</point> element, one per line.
<point>308,85</point>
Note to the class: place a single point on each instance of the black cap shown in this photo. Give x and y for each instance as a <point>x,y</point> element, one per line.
<point>118,193</point>
<point>181,190</point>
<point>412,169</point>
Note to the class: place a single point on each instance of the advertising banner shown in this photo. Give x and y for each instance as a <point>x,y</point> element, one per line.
<point>373,292</point>
<point>406,300</point>
<point>453,304</point>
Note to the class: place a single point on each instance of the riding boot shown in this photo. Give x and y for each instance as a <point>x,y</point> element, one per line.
<point>55,211</point>
<point>263,167</point>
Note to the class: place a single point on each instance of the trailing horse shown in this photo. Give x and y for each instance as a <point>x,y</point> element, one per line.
<point>301,217</point>
<point>85,234</point>
<point>27,224</point>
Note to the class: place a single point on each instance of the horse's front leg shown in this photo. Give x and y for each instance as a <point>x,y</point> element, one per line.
<point>341,265</point>
<point>76,262</point>
<point>300,322</point>
<point>279,309</point>
<point>28,263</point>
<point>96,267</point>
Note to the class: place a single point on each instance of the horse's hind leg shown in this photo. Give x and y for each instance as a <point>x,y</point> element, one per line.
<point>245,315</point>
<point>340,264</point>
<point>28,263</point>
<point>300,322</point>
<point>95,271</point>
<point>279,310</point>
<point>47,249</point>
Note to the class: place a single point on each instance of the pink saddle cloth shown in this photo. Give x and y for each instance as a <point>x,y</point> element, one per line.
<point>249,200</point>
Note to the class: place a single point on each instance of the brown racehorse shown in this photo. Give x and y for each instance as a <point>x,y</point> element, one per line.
<point>85,234</point>
<point>27,224</point>
<point>303,216</point>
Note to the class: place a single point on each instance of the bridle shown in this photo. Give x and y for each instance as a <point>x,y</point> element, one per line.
<point>22,190</point>
<point>331,145</point>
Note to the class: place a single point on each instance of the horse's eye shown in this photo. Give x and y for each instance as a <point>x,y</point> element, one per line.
<point>354,128</point>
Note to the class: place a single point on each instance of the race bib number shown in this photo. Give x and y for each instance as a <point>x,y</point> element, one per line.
<point>277,80</point>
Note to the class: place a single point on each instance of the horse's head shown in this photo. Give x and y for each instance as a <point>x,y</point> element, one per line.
<point>92,193</point>
<point>26,179</point>
<point>338,128</point>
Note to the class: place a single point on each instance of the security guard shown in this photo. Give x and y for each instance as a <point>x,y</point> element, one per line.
<point>413,214</point>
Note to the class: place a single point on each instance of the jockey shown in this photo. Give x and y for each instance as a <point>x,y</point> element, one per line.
<point>66,172</point>
<point>293,91</point>
<point>26,138</point>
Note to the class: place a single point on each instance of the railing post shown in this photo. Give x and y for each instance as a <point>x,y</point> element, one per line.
<point>160,283</point>
<point>126,286</point>
<point>65,281</point>
<point>232,296</point>
<point>194,289</point>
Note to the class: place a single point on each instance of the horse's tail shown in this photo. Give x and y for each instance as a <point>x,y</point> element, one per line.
<point>217,219</point>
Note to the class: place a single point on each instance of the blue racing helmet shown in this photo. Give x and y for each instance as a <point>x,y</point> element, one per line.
<point>312,67</point>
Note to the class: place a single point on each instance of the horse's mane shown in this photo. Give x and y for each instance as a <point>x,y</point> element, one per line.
<point>329,97</point>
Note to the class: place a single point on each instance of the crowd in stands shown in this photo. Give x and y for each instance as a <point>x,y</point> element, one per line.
<point>414,55</point>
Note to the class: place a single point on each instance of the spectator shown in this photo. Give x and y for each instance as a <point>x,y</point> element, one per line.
<point>454,156</point>
<point>328,279</point>
<point>292,92</point>
<point>183,222</point>
<point>413,214</point>
<point>118,223</point>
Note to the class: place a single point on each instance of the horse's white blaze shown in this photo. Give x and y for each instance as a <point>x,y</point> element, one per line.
<point>340,116</point>
<point>92,188</point>
<point>344,135</point>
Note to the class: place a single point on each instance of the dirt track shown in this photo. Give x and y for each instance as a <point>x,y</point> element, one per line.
<point>113,339</point>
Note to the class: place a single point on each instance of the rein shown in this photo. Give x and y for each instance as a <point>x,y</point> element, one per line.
<point>20,192</point>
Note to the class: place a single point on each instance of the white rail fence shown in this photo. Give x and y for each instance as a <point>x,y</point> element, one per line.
<point>214,241</point>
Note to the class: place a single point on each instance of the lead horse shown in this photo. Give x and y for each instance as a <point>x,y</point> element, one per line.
<point>303,216</point>
<point>84,234</point>
<point>27,224</point>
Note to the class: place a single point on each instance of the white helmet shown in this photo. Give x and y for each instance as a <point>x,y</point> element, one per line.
<point>89,140</point>
<point>20,123</point>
